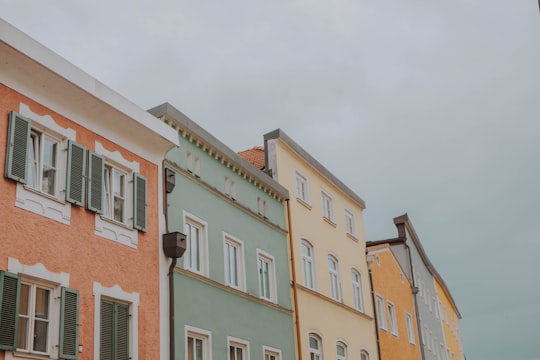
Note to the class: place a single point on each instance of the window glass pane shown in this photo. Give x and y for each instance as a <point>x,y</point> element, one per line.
<point>22,334</point>
<point>49,166</point>
<point>23,299</point>
<point>313,343</point>
<point>107,192</point>
<point>40,335</point>
<point>340,350</point>
<point>33,161</point>
<point>42,303</point>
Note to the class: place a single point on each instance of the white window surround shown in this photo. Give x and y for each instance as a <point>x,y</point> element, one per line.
<point>237,342</point>
<point>381,312</point>
<point>205,335</point>
<point>302,187</point>
<point>327,206</point>
<point>39,274</point>
<point>315,353</point>
<point>364,354</point>
<point>188,218</point>
<point>272,275</point>
<point>308,264</point>
<point>358,294</point>
<point>392,318</point>
<point>267,350</point>
<point>350,224</point>
<point>240,267</point>
<point>335,280</point>
<point>55,208</point>
<point>107,228</point>
<point>410,328</point>
<point>116,293</point>
<point>343,345</point>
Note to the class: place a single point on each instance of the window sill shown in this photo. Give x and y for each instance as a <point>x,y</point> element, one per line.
<point>115,231</point>
<point>352,237</point>
<point>329,221</point>
<point>304,203</point>
<point>115,222</point>
<point>26,355</point>
<point>35,201</point>
<point>45,195</point>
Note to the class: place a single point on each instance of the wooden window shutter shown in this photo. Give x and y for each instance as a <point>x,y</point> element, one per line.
<point>10,285</point>
<point>106,350</point>
<point>76,163</point>
<point>122,331</point>
<point>139,202</point>
<point>94,188</point>
<point>69,324</point>
<point>17,147</point>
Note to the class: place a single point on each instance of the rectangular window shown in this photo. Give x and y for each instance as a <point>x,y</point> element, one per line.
<point>271,353</point>
<point>195,256</point>
<point>261,207</point>
<point>238,349</point>
<point>350,226</point>
<point>197,344</point>
<point>307,264</point>
<point>327,206</point>
<point>333,270</point>
<point>234,262</point>
<point>114,193</point>
<point>114,330</point>
<point>410,328</point>
<point>230,188</point>
<point>34,318</point>
<point>42,174</point>
<point>265,265</point>
<point>381,313</point>
<point>302,191</point>
<point>392,318</point>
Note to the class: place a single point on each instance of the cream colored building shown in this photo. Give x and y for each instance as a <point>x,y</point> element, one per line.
<point>333,310</point>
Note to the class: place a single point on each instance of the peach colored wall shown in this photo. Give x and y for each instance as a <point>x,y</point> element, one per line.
<point>387,282</point>
<point>74,249</point>
<point>450,323</point>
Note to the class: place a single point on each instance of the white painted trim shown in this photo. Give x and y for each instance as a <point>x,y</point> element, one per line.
<point>202,333</point>
<point>274,289</point>
<point>272,350</point>
<point>241,260</point>
<point>38,271</point>
<point>186,216</point>
<point>116,293</point>
<point>243,343</point>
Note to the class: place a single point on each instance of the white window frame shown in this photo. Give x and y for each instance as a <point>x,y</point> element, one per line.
<point>39,275</point>
<point>315,354</point>
<point>192,220</point>
<point>410,328</point>
<point>358,293</point>
<point>392,318</point>
<point>106,226</point>
<point>230,187</point>
<point>238,343</point>
<point>200,334</point>
<point>327,204</point>
<point>335,281</point>
<point>116,293</point>
<point>345,356</point>
<point>364,354</point>
<point>272,285</point>
<point>381,312</point>
<point>270,351</point>
<point>262,207</point>
<point>302,187</point>
<point>32,199</point>
<point>238,245</point>
<point>308,261</point>
<point>350,223</point>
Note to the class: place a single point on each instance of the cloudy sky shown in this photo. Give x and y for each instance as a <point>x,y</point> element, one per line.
<point>427,107</point>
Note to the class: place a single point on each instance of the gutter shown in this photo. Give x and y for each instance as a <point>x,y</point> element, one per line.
<point>376,317</point>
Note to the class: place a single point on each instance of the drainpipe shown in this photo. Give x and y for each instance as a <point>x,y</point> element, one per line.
<point>171,310</point>
<point>376,317</point>
<point>295,289</point>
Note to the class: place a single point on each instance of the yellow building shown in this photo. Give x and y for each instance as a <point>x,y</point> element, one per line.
<point>449,315</point>
<point>333,310</point>
<point>394,303</point>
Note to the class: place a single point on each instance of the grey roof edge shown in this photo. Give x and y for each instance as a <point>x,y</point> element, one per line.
<point>280,134</point>
<point>184,123</point>
<point>404,219</point>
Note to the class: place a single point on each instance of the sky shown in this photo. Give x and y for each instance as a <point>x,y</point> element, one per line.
<point>421,106</point>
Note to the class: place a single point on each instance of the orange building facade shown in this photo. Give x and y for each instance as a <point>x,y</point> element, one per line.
<point>80,212</point>
<point>394,304</point>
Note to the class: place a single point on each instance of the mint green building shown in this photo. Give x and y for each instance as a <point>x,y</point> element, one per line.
<point>231,287</point>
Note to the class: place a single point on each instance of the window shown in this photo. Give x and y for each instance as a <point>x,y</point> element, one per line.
<point>114,202</point>
<point>335,285</point>
<point>234,262</point>
<point>350,226</point>
<point>364,355</point>
<point>197,344</point>
<point>193,164</point>
<point>410,329</point>
<point>392,318</point>
<point>195,256</point>
<point>267,286</point>
<point>271,353</point>
<point>381,313</point>
<point>38,317</point>
<point>327,206</point>
<point>262,207</point>
<point>302,191</point>
<point>48,166</point>
<point>357,290</point>
<point>307,264</point>
<point>230,187</point>
<point>114,333</point>
<point>238,349</point>
<point>315,347</point>
<point>341,351</point>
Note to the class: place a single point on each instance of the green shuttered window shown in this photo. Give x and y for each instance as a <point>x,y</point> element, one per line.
<point>10,285</point>
<point>76,162</point>
<point>17,147</point>
<point>96,168</point>
<point>114,331</point>
<point>139,202</point>
<point>69,324</point>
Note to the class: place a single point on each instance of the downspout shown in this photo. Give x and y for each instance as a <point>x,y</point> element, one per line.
<point>415,291</point>
<point>171,309</point>
<point>376,317</point>
<point>295,289</point>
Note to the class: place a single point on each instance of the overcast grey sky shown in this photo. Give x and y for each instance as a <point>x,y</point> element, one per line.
<point>422,106</point>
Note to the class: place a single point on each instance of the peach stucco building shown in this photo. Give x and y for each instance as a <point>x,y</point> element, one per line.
<point>333,310</point>
<point>80,213</point>
<point>393,299</point>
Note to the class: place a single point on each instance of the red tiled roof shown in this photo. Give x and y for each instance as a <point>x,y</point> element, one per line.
<point>255,156</point>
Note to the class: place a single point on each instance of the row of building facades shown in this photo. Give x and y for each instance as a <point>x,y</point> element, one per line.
<point>133,234</point>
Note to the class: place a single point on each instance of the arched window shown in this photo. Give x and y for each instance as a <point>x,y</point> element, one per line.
<point>335,285</point>
<point>308,268</point>
<point>341,351</point>
<point>315,347</point>
<point>364,355</point>
<point>357,290</point>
